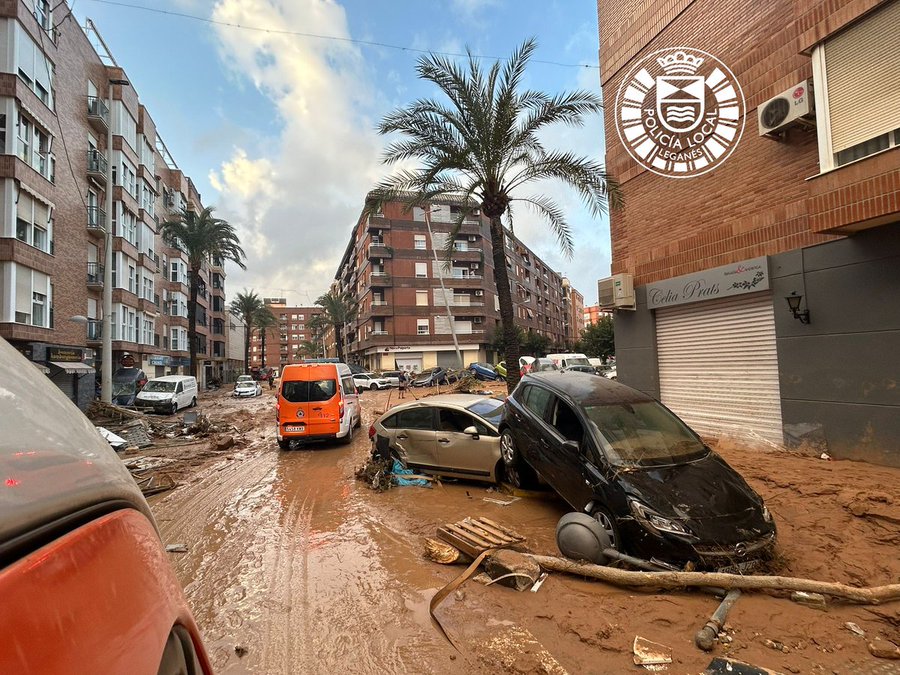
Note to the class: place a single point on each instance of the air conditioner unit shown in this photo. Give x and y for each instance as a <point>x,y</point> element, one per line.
<point>616,292</point>
<point>792,107</point>
<point>479,294</point>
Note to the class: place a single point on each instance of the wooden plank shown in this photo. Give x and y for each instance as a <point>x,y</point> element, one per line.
<point>482,534</point>
<point>468,535</point>
<point>479,523</point>
<point>463,545</point>
<point>501,528</point>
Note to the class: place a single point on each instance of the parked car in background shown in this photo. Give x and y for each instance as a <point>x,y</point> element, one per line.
<point>247,388</point>
<point>596,363</point>
<point>431,377</point>
<point>392,377</point>
<point>451,435</point>
<point>86,583</point>
<point>316,401</point>
<point>483,371</point>
<point>569,359</point>
<point>370,381</point>
<point>168,394</point>
<point>500,369</point>
<point>525,364</point>
<point>648,479</point>
<point>579,368</point>
<point>543,366</point>
<point>245,378</point>
<point>610,372</point>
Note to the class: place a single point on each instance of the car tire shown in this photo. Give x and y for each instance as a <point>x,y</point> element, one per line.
<point>284,444</point>
<point>373,387</point>
<point>174,408</point>
<point>516,471</point>
<point>608,523</point>
<point>194,402</point>
<point>348,439</point>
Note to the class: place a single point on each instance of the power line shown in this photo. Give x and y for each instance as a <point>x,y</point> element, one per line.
<point>336,38</point>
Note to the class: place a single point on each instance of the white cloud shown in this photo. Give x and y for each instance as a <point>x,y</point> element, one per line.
<point>469,8</point>
<point>295,197</point>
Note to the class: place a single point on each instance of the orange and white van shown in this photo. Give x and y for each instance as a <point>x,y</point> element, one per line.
<point>316,401</point>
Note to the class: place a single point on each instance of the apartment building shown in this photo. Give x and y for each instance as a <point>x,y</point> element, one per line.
<point>576,316</point>
<point>593,314</point>
<point>236,331</point>
<point>286,340</point>
<point>55,84</point>
<point>765,288</point>
<point>403,292</point>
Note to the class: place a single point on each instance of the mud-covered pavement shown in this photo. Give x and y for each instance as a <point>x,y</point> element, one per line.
<point>294,561</point>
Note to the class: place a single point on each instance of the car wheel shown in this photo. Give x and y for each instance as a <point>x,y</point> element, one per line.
<point>284,444</point>
<point>373,387</point>
<point>348,439</point>
<point>608,523</point>
<point>518,473</point>
<point>194,402</point>
<point>174,408</point>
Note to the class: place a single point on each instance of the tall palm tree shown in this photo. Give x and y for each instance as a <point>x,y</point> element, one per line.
<point>339,310</point>
<point>245,305</point>
<point>316,326</point>
<point>203,237</point>
<point>482,148</point>
<point>263,320</point>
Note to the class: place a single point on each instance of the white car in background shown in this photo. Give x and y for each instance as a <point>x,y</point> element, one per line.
<point>370,381</point>
<point>246,388</point>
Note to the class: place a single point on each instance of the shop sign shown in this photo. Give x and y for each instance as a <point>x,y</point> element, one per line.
<point>749,276</point>
<point>65,354</point>
<point>397,349</point>
<point>159,360</point>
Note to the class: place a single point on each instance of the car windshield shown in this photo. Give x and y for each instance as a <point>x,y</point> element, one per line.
<point>246,385</point>
<point>578,362</point>
<point>245,378</point>
<point>542,365</point>
<point>120,388</point>
<point>644,434</point>
<point>489,409</point>
<point>309,392</point>
<point>158,386</point>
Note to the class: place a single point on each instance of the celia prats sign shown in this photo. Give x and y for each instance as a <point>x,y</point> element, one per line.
<point>720,282</point>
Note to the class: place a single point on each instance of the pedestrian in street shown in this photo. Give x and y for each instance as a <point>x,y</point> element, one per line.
<point>272,380</point>
<point>402,379</point>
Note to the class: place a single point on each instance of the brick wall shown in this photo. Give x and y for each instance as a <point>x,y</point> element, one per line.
<point>760,201</point>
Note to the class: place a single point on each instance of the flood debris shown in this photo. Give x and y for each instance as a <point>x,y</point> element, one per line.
<point>512,569</point>
<point>156,483</point>
<point>500,502</point>
<point>474,536</point>
<point>445,554</point>
<point>176,548</point>
<point>648,653</point>
<point>884,649</point>
<point>539,582</point>
<point>854,628</point>
<point>725,666</point>
<point>241,651</point>
<point>116,442</point>
<point>706,636</point>
<point>814,600</point>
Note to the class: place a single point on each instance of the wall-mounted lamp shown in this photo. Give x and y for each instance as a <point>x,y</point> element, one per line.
<point>793,301</point>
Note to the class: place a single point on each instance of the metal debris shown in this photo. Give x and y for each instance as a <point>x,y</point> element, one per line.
<point>647,653</point>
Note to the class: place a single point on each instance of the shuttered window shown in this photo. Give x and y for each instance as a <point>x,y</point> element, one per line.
<point>862,68</point>
<point>718,366</point>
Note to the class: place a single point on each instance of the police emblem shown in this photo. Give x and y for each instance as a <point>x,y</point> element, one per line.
<point>680,112</point>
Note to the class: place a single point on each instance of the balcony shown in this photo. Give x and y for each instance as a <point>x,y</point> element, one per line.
<point>377,222</point>
<point>378,249</point>
<point>379,332</point>
<point>94,331</point>
<point>94,275</point>
<point>96,221</point>
<point>97,166</point>
<point>98,114</point>
<point>380,279</point>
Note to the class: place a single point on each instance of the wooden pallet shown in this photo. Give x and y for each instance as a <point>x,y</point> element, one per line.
<point>476,535</point>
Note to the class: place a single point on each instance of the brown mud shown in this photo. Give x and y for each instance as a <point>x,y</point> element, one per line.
<point>305,570</point>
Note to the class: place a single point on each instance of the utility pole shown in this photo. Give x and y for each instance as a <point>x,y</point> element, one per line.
<point>427,210</point>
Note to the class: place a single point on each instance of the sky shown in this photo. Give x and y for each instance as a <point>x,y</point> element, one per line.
<point>278,130</point>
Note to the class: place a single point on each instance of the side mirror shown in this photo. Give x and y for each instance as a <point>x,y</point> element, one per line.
<point>471,431</point>
<point>572,446</point>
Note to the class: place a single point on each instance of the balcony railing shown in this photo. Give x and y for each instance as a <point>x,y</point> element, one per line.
<point>96,219</point>
<point>97,111</point>
<point>379,332</point>
<point>95,274</point>
<point>97,164</point>
<point>94,330</point>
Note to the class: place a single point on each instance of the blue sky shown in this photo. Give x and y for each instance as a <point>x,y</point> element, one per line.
<point>277,130</point>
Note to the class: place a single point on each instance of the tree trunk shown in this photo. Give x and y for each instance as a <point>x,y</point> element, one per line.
<point>339,340</point>
<point>873,595</point>
<point>193,285</point>
<point>507,310</point>
<point>247,330</point>
<point>262,362</point>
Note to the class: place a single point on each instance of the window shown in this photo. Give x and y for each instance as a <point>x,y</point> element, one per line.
<point>309,392</point>
<point>422,327</point>
<point>537,400</point>
<point>132,284</point>
<point>421,270</point>
<point>3,133</point>
<point>421,298</point>
<point>847,68</point>
<point>33,222</point>
<point>420,242</point>
<point>348,385</point>
<point>129,179</point>
<point>566,422</point>
<point>125,125</point>
<point>416,418</point>
<point>33,66</point>
<point>37,308</point>
<point>454,421</point>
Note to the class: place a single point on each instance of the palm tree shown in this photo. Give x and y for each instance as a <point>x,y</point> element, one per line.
<point>263,319</point>
<point>339,310</point>
<point>203,237</point>
<point>482,148</point>
<point>316,326</point>
<point>245,305</point>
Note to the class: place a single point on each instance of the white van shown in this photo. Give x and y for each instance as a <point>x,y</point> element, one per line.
<point>168,394</point>
<point>572,359</point>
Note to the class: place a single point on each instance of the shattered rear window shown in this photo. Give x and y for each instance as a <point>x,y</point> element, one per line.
<point>309,392</point>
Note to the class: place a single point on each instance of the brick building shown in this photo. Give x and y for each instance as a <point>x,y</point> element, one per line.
<point>576,314</point>
<point>593,314</point>
<point>389,267</point>
<point>286,340</point>
<point>806,208</point>
<point>54,88</point>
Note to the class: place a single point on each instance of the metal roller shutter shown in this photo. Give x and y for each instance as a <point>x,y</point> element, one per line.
<point>718,366</point>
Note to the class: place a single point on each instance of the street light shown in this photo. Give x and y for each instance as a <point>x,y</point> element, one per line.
<point>107,330</point>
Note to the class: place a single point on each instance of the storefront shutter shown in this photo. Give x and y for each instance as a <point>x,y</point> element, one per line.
<point>718,366</point>
<point>862,68</point>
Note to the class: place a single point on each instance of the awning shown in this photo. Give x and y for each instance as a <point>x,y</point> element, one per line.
<point>41,367</point>
<point>73,368</point>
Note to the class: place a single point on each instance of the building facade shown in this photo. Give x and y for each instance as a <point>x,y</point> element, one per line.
<point>404,293</point>
<point>289,340</point>
<point>765,290</point>
<point>593,314</point>
<point>55,88</point>
<point>576,316</point>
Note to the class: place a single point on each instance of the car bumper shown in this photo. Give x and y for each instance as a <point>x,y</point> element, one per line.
<point>162,406</point>
<point>247,394</point>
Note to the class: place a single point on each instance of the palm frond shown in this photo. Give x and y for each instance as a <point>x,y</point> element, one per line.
<point>554,215</point>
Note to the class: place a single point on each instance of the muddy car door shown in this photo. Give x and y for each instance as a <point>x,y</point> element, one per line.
<point>461,453</point>
<point>415,440</point>
<point>567,448</point>
<point>533,430</point>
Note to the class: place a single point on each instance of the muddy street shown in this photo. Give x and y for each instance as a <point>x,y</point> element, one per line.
<point>294,566</point>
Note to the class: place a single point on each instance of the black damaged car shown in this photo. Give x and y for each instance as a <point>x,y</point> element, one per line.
<point>615,453</point>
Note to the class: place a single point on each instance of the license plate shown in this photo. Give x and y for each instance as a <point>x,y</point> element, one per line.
<point>295,428</point>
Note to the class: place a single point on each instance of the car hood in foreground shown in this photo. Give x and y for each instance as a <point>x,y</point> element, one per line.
<point>710,497</point>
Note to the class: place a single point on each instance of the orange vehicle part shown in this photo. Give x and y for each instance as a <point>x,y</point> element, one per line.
<point>310,418</point>
<point>100,599</point>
